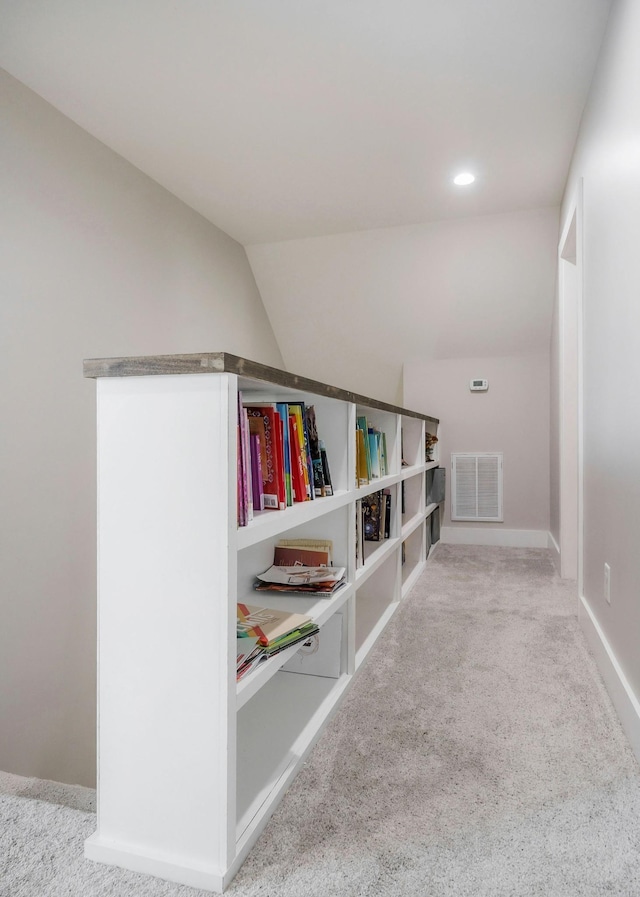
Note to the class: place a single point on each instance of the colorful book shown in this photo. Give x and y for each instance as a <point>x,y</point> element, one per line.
<point>314,451</point>
<point>374,453</point>
<point>283,410</point>
<point>241,513</point>
<point>373,523</point>
<point>297,465</point>
<point>297,410</point>
<point>273,485</point>
<point>362,475</point>
<point>361,424</point>
<point>256,473</point>
<point>245,503</point>
<point>257,428</point>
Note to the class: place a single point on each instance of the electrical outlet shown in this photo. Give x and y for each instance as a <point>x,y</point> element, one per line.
<point>607,583</point>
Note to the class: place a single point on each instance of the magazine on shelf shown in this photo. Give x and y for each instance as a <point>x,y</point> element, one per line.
<point>274,630</point>
<point>248,654</point>
<point>309,580</point>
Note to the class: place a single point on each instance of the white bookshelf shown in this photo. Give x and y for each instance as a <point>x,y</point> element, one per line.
<point>191,764</point>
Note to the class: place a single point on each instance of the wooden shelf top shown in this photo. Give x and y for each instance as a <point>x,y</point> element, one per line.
<point>224,362</point>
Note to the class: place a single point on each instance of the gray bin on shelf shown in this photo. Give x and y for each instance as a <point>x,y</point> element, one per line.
<point>436,479</point>
<point>435,526</point>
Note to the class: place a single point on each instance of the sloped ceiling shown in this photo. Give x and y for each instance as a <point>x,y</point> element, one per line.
<point>324,137</point>
<point>282,119</point>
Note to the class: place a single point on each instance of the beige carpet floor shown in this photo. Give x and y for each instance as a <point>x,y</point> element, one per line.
<point>476,754</point>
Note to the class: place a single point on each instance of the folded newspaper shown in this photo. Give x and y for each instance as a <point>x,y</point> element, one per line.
<point>301,579</point>
<point>300,575</point>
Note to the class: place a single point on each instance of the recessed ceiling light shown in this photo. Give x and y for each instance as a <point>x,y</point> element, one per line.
<point>464,179</point>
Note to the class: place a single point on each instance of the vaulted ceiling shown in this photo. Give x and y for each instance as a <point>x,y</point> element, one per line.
<point>282,119</point>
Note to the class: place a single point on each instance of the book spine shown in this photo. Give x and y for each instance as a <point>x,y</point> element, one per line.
<point>314,451</point>
<point>326,473</point>
<point>297,472</point>
<point>279,460</point>
<point>308,483</point>
<point>246,460</point>
<point>270,486</point>
<point>373,454</point>
<point>283,411</point>
<point>242,518</point>
<point>256,474</point>
<point>361,460</point>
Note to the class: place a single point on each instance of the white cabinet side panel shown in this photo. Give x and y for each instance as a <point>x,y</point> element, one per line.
<point>165,511</point>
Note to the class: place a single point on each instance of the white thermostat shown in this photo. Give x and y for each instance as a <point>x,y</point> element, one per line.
<point>478,385</point>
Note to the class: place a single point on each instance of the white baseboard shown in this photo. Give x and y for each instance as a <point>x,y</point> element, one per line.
<point>510,538</point>
<point>620,692</point>
<point>555,550</point>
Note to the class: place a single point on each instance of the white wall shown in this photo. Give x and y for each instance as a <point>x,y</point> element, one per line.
<point>95,260</point>
<point>511,417</point>
<point>350,309</point>
<point>608,158</point>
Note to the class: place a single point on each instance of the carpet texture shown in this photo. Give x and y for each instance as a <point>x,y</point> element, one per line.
<point>477,753</point>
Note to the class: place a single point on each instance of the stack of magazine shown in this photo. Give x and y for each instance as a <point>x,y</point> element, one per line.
<point>263,632</point>
<point>302,566</point>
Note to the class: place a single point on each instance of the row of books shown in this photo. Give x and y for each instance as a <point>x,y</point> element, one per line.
<point>371,452</point>
<point>373,520</point>
<point>281,459</point>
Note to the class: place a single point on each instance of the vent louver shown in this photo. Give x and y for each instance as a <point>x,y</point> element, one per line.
<point>476,481</point>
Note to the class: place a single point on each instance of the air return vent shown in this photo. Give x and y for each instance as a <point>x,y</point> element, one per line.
<point>476,486</point>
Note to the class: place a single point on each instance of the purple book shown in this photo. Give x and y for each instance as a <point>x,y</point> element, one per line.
<point>256,473</point>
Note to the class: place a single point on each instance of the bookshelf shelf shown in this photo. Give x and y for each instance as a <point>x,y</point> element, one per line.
<point>173,564</point>
<point>378,553</point>
<point>377,484</point>
<point>408,472</point>
<point>416,521</point>
<point>267,524</point>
